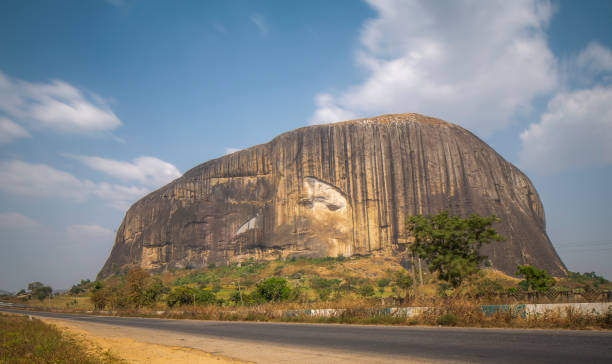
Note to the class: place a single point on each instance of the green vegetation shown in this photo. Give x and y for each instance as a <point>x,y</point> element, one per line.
<point>24,340</point>
<point>536,279</point>
<point>363,287</point>
<point>39,290</point>
<point>273,289</point>
<point>450,244</point>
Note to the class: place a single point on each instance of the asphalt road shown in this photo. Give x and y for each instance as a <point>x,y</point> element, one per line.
<point>445,344</point>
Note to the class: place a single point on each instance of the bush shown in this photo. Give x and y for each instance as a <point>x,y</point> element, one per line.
<point>535,278</point>
<point>81,287</point>
<point>273,289</point>
<point>383,282</point>
<point>367,291</point>
<point>448,319</point>
<point>98,299</point>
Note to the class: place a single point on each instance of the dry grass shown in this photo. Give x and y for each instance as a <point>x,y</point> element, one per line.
<point>25,340</point>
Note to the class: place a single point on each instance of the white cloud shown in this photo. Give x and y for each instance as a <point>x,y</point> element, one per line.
<point>149,171</point>
<point>55,105</point>
<point>472,63</point>
<point>119,196</point>
<point>17,221</point>
<point>89,233</point>
<point>230,150</point>
<point>574,132</point>
<point>10,131</point>
<point>41,180</point>
<point>595,58</point>
<point>260,23</point>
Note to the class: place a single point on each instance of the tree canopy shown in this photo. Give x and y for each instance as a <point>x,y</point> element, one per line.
<point>450,244</point>
<point>536,279</point>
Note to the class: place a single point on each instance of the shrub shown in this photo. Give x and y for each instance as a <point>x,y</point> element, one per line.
<point>186,295</point>
<point>383,282</point>
<point>273,289</point>
<point>448,319</point>
<point>535,278</point>
<point>367,291</point>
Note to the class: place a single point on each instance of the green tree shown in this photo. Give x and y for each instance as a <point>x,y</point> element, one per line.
<point>34,285</point>
<point>536,279</point>
<point>403,281</point>
<point>273,289</point>
<point>383,282</point>
<point>39,290</point>
<point>80,287</point>
<point>366,291</point>
<point>99,299</point>
<point>181,296</point>
<point>137,280</point>
<point>450,244</point>
<point>42,292</point>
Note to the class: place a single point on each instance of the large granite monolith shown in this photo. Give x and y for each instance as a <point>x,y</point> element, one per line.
<point>325,190</point>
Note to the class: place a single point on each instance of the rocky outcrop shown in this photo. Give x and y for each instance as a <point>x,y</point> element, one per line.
<point>325,190</point>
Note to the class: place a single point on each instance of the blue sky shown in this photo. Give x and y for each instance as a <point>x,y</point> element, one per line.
<point>104,101</point>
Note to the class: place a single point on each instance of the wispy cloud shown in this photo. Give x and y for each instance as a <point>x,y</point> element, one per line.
<point>84,234</point>
<point>17,221</point>
<point>473,63</point>
<point>149,171</point>
<point>219,28</point>
<point>260,23</point>
<point>10,131</point>
<point>56,105</point>
<point>40,180</point>
<point>230,150</point>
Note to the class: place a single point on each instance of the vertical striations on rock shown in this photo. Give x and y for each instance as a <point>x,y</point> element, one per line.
<point>344,188</point>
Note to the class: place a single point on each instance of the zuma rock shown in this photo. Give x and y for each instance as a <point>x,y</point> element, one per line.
<point>325,190</point>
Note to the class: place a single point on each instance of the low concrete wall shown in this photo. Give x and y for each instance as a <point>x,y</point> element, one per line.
<point>520,309</point>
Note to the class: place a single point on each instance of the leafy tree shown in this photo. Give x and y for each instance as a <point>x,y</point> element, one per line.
<point>188,296</point>
<point>536,279</point>
<point>136,283</point>
<point>80,287</point>
<point>34,285</point>
<point>383,282</point>
<point>42,292</point>
<point>99,299</point>
<point>39,290</point>
<point>450,244</point>
<point>403,281</point>
<point>205,297</point>
<point>180,296</point>
<point>273,289</point>
<point>367,291</point>
<point>153,292</point>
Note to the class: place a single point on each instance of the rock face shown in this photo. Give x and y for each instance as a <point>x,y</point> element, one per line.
<point>325,190</point>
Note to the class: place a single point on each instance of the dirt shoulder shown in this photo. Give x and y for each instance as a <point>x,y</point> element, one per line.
<point>139,345</point>
<point>133,351</point>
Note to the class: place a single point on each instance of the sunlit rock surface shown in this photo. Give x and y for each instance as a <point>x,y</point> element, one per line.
<point>344,188</point>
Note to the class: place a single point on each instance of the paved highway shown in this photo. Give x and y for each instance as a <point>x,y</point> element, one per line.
<point>426,343</point>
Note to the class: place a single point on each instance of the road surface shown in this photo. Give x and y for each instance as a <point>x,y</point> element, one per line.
<point>396,343</point>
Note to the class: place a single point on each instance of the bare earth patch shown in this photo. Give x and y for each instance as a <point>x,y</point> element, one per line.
<point>136,351</point>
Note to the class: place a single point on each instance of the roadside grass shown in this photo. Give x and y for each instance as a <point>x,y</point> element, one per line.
<point>25,340</point>
<point>338,283</point>
<point>453,311</point>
